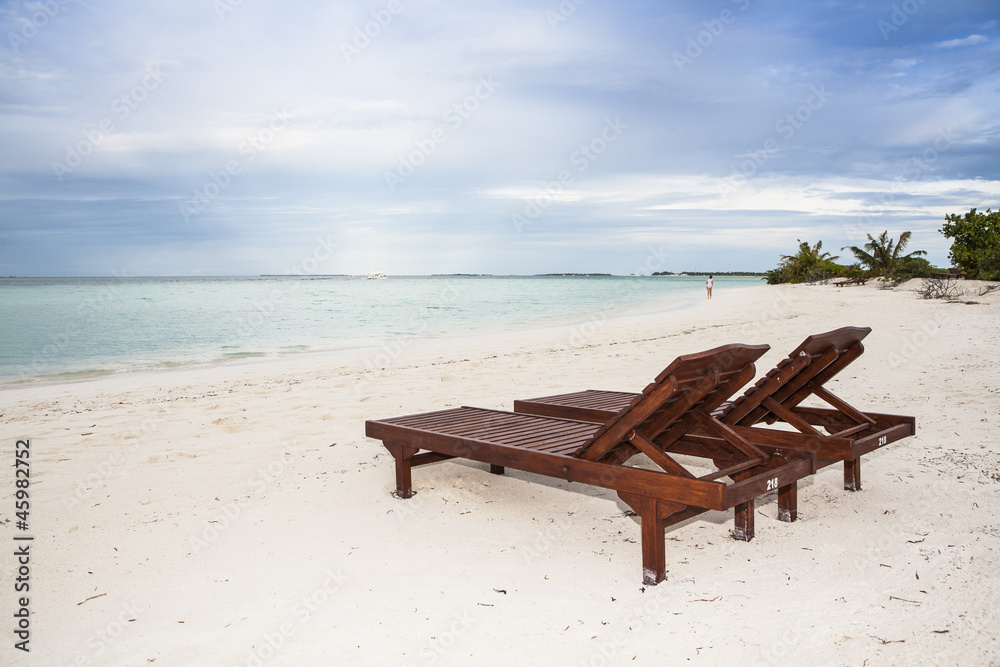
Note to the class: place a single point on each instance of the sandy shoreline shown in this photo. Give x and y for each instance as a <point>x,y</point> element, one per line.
<point>237,515</point>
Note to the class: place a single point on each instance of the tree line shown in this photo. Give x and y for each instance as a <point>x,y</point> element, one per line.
<point>975,249</point>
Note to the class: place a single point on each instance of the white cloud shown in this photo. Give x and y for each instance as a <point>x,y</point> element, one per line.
<point>971,40</point>
<point>354,121</point>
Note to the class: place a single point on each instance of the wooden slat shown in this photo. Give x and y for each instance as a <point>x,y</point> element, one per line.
<point>789,416</point>
<point>880,439</point>
<point>826,416</point>
<point>615,431</point>
<point>776,378</point>
<point>828,445</point>
<point>728,434</point>
<point>844,359</point>
<point>531,407</point>
<point>854,429</point>
<point>428,457</point>
<point>840,404</point>
<point>758,485</point>
<point>792,384</point>
<point>731,470</point>
<point>706,447</point>
<point>657,455</point>
<point>695,394</point>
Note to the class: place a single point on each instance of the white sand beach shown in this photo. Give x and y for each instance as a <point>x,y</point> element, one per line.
<point>238,515</point>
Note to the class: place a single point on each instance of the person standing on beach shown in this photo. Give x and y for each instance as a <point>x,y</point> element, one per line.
<point>708,286</point>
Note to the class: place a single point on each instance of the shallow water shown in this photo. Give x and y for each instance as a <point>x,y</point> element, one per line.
<point>77,327</point>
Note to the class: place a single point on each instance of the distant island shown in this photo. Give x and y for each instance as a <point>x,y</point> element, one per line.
<point>735,274</point>
<point>571,275</point>
<point>534,275</point>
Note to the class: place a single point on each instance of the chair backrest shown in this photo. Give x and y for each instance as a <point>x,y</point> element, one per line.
<point>812,363</point>
<point>703,381</point>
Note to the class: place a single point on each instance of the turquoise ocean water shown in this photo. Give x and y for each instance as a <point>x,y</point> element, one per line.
<point>65,328</point>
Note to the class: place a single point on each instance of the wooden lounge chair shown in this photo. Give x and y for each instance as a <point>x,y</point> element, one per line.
<point>860,280</point>
<point>681,398</point>
<point>954,273</point>
<point>850,433</point>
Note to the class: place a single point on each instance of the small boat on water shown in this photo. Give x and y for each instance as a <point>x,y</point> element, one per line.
<point>376,275</point>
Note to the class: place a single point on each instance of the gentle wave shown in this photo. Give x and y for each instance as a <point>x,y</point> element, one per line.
<point>72,328</point>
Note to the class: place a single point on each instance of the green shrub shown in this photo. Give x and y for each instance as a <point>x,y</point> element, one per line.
<point>911,267</point>
<point>976,243</point>
<point>775,277</point>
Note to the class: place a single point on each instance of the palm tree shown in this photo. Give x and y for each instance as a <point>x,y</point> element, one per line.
<point>807,263</point>
<point>880,256</point>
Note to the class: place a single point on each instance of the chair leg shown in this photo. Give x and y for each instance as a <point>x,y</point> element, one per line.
<point>404,480</point>
<point>788,502</point>
<point>654,548</point>
<point>852,475</point>
<point>743,519</point>
<point>496,470</point>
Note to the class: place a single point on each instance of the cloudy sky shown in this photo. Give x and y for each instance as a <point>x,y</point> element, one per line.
<point>244,137</point>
